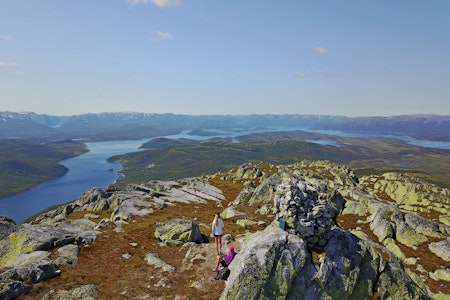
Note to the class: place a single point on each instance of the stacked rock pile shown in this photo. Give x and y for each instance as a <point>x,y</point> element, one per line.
<point>306,209</point>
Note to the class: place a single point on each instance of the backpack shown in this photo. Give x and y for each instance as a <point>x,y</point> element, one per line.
<point>222,274</point>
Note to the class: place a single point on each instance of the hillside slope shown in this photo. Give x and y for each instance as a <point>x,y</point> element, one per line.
<point>103,245</point>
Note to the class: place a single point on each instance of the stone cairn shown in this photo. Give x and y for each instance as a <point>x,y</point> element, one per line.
<point>301,209</point>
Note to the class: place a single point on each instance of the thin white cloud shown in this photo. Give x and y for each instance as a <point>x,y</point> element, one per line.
<point>320,50</point>
<point>167,3</point>
<point>299,75</point>
<point>8,64</point>
<point>159,35</point>
<point>136,2</point>
<point>6,38</point>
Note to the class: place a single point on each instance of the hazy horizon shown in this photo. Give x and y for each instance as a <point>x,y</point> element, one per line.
<point>250,114</point>
<point>352,58</point>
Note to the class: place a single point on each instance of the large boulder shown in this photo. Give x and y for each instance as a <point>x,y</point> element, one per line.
<point>85,292</point>
<point>274,264</point>
<point>441,249</point>
<point>354,269</point>
<point>177,231</point>
<point>33,267</point>
<point>11,289</point>
<point>7,225</point>
<point>268,267</point>
<point>28,238</point>
<point>379,223</point>
<point>406,234</point>
<point>230,212</point>
<point>246,171</point>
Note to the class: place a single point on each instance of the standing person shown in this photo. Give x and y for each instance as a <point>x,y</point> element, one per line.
<point>216,229</point>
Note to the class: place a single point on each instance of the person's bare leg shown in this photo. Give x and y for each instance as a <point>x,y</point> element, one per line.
<point>219,259</point>
<point>220,245</point>
<point>216,239</point>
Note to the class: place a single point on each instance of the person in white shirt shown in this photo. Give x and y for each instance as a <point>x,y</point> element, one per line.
<point>217,231</point>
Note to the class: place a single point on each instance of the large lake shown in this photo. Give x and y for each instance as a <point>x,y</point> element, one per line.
<point>92,170</point>
<point>88,170</point>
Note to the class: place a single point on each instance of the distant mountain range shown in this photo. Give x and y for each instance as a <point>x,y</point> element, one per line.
<point>116,126</point>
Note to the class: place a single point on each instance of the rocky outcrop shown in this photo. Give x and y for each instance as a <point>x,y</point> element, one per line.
<point>11,289</point>
<point>277,264</point>
<point>154,260</point>
<point>274,264</point>
<point>267,267</point>
<point>40,237</point>
<point>308,209</point>
<point>7,225</point>
<point>85,292</point>
<point>245,172</point>
<point>33,267</point>
<point>441,249</point>
<point>312,258</point>
<point>409,192</point>
<point>25,249</point>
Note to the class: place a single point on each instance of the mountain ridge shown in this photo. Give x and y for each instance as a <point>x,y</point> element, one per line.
<point>123,125</point>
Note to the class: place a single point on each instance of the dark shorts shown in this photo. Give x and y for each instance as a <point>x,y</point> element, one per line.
<point>218,235</point>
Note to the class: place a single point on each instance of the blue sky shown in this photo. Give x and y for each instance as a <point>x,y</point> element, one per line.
<point>347,57</point>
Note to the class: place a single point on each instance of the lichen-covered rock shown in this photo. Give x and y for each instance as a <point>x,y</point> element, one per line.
<point>177,231</point>
<point>246,171</point>
<point>230,212</point>
<point>34,267</point>
<point>246,193</point>
<point>265,191</point>
<point>423,226</point>
<point>7,225</point>
<point>379,223</point>
<point>410,192</point>
<point>308,209</point>
<point>441,274</point>
<point>26,239</point>
<point>390,244</point>
<point>355,208</point>
<point>135,206</point>
<point>67,255</point>
<point>91,196</point>
<point>246,222</point>
<point>274,264</point>
<point>404,233</point>
<point>336,173</point>
<point>441,249</point>
<point>396,283</point>
<point>153,259</point>
<point>267,266</point>
<point>85,292</point>
<point>11,289</point>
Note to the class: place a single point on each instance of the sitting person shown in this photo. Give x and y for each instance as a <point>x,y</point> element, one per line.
<point>226,260</point>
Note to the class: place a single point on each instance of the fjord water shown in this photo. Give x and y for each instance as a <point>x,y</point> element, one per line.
<point>85,171</point>
<point>93,170</point>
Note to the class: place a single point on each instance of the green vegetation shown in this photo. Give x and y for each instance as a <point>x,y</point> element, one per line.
<point>25,164</point>
<point>365,155</point>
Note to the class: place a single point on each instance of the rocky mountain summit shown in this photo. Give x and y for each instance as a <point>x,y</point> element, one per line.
<point>310,230</point>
